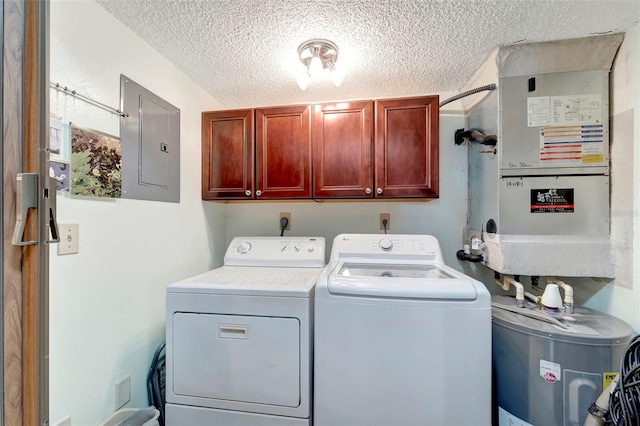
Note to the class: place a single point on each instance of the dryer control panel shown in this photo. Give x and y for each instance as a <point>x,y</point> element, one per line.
<point>302,252</point>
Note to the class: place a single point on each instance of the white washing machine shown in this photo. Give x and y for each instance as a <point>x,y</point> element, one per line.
<point>400,338</point>
<point>239,337</point>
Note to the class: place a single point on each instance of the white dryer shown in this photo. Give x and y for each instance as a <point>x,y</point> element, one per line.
<point>400,338</point>
<point>239,337</point>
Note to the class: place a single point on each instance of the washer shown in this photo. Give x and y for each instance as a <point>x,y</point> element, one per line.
<point>400,338</point>
<point>239,337</point>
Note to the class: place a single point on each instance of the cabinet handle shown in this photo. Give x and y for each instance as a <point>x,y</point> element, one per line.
<point>379,190</point>
<point>247,193</point>
<point>368,190</point>
<point>258,193</point>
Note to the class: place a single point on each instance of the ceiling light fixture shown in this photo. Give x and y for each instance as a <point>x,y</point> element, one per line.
<point>317,55</point>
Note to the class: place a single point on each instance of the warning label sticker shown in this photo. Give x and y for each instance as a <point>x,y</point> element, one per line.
<point>552,200</point>
<point>607,378</point>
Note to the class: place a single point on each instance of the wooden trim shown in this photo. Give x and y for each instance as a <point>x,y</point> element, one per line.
<point>12,162</point>
<point>31,351</point>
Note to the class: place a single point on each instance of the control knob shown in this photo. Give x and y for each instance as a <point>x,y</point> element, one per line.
<point>244,247</point>
<point>385,244</point>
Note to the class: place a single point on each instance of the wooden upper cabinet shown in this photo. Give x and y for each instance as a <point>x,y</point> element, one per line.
<point>227,154</point>
<point>283,152</point>
<point>406,146</point>
<point>342,150</point>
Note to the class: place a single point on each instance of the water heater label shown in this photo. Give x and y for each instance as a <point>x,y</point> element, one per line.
<point>550,371</point>
<point>552,200</point>
<point>607,378</point>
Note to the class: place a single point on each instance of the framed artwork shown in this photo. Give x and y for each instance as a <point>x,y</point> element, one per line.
<point>96,163</point>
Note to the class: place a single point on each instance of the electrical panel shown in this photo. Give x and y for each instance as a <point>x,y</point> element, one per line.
<point>150,135</point>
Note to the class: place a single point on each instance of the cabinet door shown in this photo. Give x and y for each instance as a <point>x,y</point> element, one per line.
<point>227,155</point>
<point>283,152</point>
<point>407,132</point>
<point>342,150</point>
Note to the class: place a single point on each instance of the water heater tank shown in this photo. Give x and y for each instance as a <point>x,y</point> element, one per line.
<point>545,374</point>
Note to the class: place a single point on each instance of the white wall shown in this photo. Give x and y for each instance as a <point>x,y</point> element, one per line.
<point>443,217</point>
<point>107,302</point>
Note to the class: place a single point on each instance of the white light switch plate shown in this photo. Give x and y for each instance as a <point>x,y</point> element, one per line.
<point>69,239</point>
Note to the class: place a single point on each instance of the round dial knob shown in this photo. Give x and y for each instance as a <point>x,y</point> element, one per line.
<point>296,247</point>
<point>385,244</point>
<point>311,248</point>
<point>244,247</point>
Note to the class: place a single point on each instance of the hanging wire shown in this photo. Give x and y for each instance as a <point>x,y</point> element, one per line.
<point>75,94</point>
<point>468,93</point>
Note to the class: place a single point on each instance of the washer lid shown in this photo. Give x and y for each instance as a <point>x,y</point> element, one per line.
<point>254,281</point>
<point>416,281</point>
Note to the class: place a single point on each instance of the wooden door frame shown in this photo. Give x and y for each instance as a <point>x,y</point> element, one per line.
<point>25,269</point>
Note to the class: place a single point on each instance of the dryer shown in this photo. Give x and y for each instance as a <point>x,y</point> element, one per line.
<point>239,337</point>
<point>400,337</point>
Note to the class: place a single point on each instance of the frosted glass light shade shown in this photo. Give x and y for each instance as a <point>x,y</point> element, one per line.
<point>303,80</point>
<point>315,66</point>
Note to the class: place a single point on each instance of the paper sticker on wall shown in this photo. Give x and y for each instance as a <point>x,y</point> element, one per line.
<point>550,371</point>
<point>96,163</point>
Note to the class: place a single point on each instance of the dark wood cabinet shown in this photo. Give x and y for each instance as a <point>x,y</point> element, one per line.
<point>228,155</point>
<point>283,152</point>
<point>342,150</point>
<point>351,150</point>
<point>406,147</point>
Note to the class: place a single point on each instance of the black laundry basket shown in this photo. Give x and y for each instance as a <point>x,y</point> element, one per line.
<point>156,380</point>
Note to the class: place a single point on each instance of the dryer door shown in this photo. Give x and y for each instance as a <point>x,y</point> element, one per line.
<point>237,358</point>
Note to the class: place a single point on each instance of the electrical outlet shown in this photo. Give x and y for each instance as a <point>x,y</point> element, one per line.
<point>288,216</point>
<point>123,392</point>
<point>69,239</point>
<point>386,216</point>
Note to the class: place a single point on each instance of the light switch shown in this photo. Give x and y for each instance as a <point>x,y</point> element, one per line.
<point>69,239</point>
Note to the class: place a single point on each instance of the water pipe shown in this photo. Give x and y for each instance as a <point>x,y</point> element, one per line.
<point>568,294</point>
<point>507,282</point>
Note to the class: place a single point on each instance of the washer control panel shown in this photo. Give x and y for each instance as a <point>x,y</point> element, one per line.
<point>276,251</point>
<point>419,247</point>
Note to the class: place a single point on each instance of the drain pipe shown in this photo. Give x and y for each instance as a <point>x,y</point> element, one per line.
<point>507,282</point>
<point>568,294</point>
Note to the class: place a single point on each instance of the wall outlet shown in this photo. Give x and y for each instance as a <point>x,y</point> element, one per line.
<point>123,392</point>
<point>69,239</point>
<point>386,216</point>
<point>288,216</point>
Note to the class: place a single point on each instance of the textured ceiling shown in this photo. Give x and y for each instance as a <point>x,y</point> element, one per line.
<point>244,52</point>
